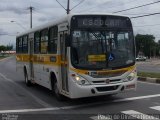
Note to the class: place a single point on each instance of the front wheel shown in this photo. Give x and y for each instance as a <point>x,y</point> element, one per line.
<point>55,89</point>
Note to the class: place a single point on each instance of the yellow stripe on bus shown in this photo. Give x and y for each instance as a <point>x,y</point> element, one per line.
<point>46,59</point>
<point>40,59</point>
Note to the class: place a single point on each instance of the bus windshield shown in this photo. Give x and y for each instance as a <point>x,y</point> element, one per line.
<point>102,49</point>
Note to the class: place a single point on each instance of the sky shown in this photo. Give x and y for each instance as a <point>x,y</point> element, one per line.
<point>49,10</point>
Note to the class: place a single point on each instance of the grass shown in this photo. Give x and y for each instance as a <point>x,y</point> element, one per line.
<point>3,56</point>
<point>149,74</point>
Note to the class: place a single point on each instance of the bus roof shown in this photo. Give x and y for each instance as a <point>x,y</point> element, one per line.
<point>65,18</point>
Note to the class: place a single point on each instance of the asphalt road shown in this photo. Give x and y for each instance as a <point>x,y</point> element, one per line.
<point>149,66</point>
<point>19,102</point>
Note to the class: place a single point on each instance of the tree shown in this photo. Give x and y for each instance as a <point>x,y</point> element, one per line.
<point>145,44</point>
<point>159,42</point>
<point>2,48</point>
<point>6,48</point>
<point>9,47</point>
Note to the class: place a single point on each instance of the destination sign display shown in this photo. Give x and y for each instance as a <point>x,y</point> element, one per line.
<point>101,21</point>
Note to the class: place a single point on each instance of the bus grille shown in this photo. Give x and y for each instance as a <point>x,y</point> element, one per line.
<point>108,88</point>
<point>104,82</point>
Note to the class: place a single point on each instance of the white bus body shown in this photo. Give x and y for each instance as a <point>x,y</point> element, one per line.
<point>47,56</point>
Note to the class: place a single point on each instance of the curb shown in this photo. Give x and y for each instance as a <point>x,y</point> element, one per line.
<point>148,79</point>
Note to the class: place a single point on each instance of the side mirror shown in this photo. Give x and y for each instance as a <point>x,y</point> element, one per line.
<point>68,41</point>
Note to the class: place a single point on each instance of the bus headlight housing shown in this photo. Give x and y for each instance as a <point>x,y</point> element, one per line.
<point>80,80</point>
<point>131,76</point>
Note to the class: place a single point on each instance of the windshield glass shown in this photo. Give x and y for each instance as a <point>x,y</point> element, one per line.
<point>102,49</point>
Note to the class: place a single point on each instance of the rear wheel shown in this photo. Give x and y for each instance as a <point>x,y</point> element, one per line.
<point>27,82</point>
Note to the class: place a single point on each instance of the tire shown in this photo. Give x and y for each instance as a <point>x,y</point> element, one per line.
<point>56,92</point>
<point>27,82</point>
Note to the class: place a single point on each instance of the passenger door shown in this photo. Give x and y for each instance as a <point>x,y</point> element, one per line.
<point>64,61</point>
<point>31,51</point>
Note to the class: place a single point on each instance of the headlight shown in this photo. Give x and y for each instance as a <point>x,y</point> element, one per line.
<point>80,80</point>
<point>131,76</point>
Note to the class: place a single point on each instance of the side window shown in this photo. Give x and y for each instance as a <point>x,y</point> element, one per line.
<point>25,44</point>
<point>17,47</point>
<point>44,41</point>
<point>20,45</point>
<point>37,42</point>
<point>53,36</point>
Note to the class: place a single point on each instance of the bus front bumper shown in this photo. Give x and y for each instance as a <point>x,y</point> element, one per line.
<point>80,91</point>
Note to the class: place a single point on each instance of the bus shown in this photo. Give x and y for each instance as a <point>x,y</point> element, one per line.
<point>80,55</point>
